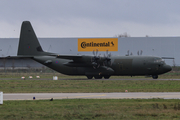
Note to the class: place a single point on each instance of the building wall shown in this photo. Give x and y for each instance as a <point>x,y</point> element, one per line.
<point>151,46</point>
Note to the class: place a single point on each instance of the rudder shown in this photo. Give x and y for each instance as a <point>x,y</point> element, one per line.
<point>28,42</point>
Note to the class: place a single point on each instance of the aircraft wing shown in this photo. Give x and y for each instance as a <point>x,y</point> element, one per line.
<point>78,60</point>
<point>70,57</point>
<point>15,57</point>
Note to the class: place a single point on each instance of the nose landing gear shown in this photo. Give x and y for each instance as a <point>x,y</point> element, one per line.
<point>155,76</point>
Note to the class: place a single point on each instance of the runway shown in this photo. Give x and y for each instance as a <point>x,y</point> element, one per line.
<point>121,95</point>
<point>88,79</point>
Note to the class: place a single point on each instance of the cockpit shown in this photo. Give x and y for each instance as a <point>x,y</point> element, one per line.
<point>159,60</point>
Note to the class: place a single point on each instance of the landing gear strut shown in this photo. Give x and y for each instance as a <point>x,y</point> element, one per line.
<point>155,76</point>
<point>89,76</point>
<point>106,76</point>
<point>98,77</point>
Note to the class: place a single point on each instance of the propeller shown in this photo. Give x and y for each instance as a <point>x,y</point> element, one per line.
<point>137,52</point>
<point>107,59</point>
<point>128,53</point>
<point>95,59</point>
<point>141,52</point>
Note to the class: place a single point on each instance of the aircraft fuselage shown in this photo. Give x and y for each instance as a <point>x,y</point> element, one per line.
<point>91,66</point>
<point>120,65</point>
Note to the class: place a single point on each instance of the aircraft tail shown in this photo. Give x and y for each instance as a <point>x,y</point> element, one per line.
<point>28,42</point>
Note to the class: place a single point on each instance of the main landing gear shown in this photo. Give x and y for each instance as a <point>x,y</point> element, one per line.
<point>89,77</point>
<point>98,77</point>
<point>155,76</point>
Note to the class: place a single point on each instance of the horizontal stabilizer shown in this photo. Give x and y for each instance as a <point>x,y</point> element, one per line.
<point>167,57</point>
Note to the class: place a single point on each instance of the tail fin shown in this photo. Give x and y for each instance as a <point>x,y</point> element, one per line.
<point>28,42</point>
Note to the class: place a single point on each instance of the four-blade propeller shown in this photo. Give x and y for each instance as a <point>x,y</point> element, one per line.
<point>107,59</point>
<point>96,59</point>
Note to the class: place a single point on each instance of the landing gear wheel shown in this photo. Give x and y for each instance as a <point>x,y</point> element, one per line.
<point>89,76</point>
<point>155,76</point>
<point>106,76</point>
<point>98,77</point>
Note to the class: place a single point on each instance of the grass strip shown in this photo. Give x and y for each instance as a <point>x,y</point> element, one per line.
<point>88,86</point>
<point>12,83</point>
<point>86,109</point>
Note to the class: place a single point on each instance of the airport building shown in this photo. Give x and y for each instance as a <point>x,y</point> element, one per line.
<point>147,46</point>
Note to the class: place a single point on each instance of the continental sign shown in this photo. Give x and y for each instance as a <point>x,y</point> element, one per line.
<point>102,44</point>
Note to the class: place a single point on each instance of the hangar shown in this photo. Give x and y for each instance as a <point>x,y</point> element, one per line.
<point>150,46</point>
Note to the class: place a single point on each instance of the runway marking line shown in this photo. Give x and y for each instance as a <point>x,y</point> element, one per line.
<point>76,96</point>
<point>68,97</point>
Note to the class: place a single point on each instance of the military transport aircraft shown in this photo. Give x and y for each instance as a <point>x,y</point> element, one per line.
<point>89,65</point>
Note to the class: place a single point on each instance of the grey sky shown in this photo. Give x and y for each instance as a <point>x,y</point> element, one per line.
<point>91,18</point>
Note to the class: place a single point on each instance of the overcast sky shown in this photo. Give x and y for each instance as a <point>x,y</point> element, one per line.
<point>91,18</point>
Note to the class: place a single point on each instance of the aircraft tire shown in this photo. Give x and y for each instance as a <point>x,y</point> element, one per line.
<point>155,76</point>
<point>98,77</point>
<point>106,76</point>
<point>89,77</point>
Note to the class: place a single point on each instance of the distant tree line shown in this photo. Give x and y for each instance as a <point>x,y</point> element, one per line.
<point>123,35</point>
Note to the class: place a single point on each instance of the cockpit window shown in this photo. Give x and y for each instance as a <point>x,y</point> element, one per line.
<point>162,62</point>
<point>158,60</point>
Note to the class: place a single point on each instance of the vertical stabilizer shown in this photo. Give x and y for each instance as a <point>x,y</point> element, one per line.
<point>28,42</point>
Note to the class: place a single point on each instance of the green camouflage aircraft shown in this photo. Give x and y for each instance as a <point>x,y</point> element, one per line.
<point>89,65</point>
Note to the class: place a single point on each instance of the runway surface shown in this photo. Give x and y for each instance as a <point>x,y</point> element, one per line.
<point>88,79</point>
<point>127,95</point>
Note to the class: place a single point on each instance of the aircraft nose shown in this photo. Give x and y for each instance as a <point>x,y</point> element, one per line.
<point>167,68</point>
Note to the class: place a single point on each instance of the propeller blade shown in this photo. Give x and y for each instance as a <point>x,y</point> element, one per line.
<point>137,52</point>
<point>93,52</point>
<point>128,53</point>
<point>95,59</point>
<point>108,59</point>
<point>96,52</point>
<point>107,52</point>
<point>141,52</point>
<point>109,55</point>
<point>109,62</point>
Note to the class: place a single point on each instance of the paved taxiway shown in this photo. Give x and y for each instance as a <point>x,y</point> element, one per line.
<point>128,95</point>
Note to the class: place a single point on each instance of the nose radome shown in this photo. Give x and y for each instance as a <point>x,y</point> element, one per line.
<point>167,68</point>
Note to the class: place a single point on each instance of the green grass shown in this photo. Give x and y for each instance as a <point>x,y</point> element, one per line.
<point>12,83</point>
<point>88,86</point>
<point>87,109</point>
